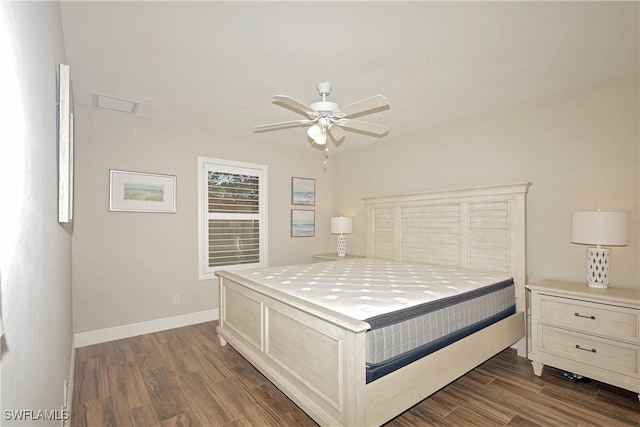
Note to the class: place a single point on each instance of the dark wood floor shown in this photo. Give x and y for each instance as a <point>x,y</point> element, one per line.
<point>183,377</point>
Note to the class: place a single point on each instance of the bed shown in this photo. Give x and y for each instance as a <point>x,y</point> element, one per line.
<point>319,353</point>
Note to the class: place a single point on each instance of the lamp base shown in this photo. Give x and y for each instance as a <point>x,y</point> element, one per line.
<point>342,245</point>
<point>598,265</point>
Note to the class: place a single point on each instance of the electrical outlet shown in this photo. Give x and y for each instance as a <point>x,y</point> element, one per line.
<point>176,299</point>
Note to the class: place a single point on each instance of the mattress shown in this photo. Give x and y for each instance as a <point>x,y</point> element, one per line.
<point>433,326</point>
<point>412,309</point>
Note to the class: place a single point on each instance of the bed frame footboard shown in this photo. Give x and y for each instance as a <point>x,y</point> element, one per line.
<point>317,362</point>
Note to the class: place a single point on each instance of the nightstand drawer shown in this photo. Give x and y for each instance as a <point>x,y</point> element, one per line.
<point>592,318</point>
<point>597,352</point>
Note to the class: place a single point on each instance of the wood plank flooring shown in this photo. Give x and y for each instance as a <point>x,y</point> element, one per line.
<point>183,377</point>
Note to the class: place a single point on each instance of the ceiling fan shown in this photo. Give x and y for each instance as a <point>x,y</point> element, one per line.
<point>328,118</point>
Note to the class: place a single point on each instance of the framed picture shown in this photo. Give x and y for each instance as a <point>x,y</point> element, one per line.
<point>303,223</point>
<point>65,146</point>
<point>303,191</point>
<point>141,192</point>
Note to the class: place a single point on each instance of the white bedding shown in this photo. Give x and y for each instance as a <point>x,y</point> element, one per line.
<point>367,287</point>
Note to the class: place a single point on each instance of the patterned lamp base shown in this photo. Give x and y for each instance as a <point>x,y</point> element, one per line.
<point>342,245</point>
<point>598,264</point>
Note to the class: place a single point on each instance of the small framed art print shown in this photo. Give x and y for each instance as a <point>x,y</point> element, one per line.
<point>303,191</point>
<point>141,192</point>
<point>303,223</point>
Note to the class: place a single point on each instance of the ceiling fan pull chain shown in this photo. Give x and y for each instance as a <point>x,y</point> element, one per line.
<point>326,157</point>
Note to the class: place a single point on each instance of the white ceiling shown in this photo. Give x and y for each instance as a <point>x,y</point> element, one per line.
<point>215,65</point>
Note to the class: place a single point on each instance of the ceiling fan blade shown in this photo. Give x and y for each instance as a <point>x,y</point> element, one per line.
<point>294,105</point>
<point>281,125</point>
<point>337,133</point>
<point>364,126</point>
<point>377,101</point>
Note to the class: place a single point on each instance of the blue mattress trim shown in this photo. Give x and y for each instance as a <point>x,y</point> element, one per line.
<point>375,371</point>
<point>400,315</point>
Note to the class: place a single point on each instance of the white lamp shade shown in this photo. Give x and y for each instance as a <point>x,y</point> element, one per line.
<point>321,139</point>
<point>318,133</point>
<point>341,225</point>
<point>600,228</point>
<point>314,131</point>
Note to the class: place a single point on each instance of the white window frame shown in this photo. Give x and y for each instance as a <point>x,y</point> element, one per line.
<point>204,165</point>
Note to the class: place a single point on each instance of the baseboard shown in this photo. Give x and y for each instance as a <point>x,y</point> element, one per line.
<point>84,339</point>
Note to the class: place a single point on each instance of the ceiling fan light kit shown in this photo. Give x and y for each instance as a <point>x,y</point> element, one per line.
<point>318,133</point>
<point>328,118</point>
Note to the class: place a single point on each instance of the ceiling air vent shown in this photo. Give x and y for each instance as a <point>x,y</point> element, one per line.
<point>115,104</point>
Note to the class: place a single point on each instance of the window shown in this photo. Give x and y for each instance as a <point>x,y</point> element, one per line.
<point>232,222</point>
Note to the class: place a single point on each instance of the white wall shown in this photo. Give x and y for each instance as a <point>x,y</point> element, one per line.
<point>127,266</point>
<point>579,149</point>
<point>35,251</point>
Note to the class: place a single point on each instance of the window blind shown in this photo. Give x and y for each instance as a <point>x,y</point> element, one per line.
<point>233,208</point>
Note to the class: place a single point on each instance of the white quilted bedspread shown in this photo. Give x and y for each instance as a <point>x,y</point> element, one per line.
<point>367,287</point>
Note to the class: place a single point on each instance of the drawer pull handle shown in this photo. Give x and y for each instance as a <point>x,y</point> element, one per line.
<point>586,317</point>
<point>592,350</point>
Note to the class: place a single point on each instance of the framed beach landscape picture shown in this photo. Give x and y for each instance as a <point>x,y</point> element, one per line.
<point>141,192</point>
<point>303,191</point>
<point>303,223</point>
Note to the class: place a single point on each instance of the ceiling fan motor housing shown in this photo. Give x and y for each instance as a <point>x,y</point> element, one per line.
<point>325,106</point>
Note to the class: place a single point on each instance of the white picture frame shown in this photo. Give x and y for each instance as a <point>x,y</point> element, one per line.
<point>141,192</point>
<point>65,146</point>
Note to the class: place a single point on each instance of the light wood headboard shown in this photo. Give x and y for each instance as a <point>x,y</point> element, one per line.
<point>476,228</point>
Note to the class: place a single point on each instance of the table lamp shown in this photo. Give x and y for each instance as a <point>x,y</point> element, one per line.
<point>599,228</point>
<point>341,225</point>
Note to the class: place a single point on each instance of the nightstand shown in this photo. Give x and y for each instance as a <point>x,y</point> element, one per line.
<point>333,257</point>
<point>592,332</point>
